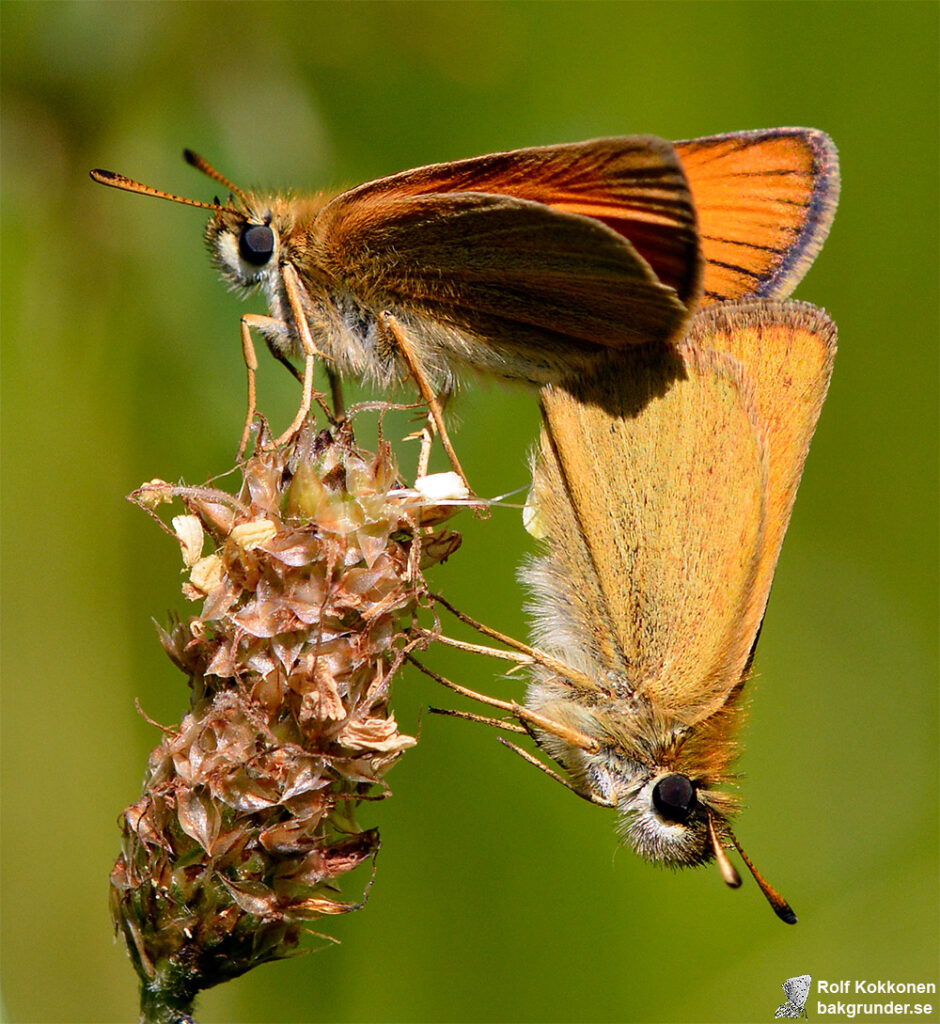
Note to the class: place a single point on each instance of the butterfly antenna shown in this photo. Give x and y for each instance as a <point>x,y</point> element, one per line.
<point>129,185</point>
<point>201,164</point>
<point>782,909</point>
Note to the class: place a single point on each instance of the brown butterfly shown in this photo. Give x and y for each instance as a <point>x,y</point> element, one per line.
<point>526,265</point>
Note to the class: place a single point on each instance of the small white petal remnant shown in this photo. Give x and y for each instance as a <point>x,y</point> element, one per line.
<point>253,534</point>
<point>531,519</point>
<point>189,533</point>
<point>442,487</point>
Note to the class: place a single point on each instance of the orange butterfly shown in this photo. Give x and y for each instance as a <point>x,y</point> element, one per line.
<point>663,489</point>
<point>529,264</point>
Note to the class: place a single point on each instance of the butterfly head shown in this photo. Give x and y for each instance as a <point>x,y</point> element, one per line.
<point>245,244</point>
<point>666,821</point>
<point>249,235</point>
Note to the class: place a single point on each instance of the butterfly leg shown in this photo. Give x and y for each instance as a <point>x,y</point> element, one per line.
<point>293,287</point>
<point>336,394</point>
<point>501,723</point>
<point>268,325</point>
<point>462,645</point>
<point>284,361</point>
<point>248,321</point>
<point>427,434</point>
<point>427,439</point>
<point>400,338</point>
<point>524,715</point>
<point>468,716</point>
<point>585,794</point>
<point>567,674</point>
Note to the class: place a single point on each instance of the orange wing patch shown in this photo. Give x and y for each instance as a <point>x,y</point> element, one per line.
<point>765,203</point>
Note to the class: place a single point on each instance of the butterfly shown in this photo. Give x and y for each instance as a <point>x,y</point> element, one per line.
<point>662,491</point>
<point>529,265</point>
<point>796,991</point>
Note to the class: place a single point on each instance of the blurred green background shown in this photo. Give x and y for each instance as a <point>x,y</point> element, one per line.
<point>499,896</point>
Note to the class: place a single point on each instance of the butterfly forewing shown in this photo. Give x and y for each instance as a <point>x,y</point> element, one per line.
<point>787,351</point>
<point>765,203</point>
<point>708,445</point>
<point>573,619</point>
<point>675,531</point>
<point>514,272</point>
<point>633,184</point>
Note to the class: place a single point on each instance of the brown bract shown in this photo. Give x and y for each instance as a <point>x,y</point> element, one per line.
<point>307,579</point>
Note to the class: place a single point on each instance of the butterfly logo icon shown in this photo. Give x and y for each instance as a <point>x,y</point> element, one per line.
<point>796,990</point>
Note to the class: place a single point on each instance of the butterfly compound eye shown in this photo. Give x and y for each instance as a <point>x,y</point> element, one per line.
<point>674,797</point>
<point>256,244</point>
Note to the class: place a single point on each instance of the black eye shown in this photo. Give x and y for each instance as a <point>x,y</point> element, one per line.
<point>674,797</point>
<point>256,244</point>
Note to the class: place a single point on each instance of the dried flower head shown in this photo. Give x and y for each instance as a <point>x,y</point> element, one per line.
<point>307,580</point>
